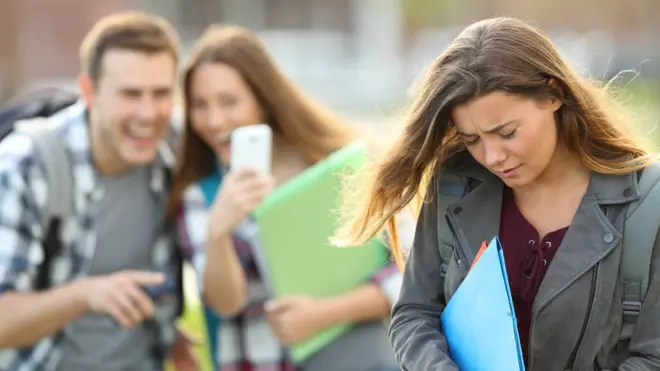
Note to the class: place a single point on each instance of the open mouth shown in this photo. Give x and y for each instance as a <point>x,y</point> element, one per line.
<point>143,135</point>
<point>224,138</point>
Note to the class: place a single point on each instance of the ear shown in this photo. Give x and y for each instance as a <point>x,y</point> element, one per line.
<point>86,87</point>
<point>556,100</point>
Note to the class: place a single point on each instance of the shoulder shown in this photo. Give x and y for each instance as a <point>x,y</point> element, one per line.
<point>648,179</point>
<point>18,158</point>
<point>14,148</point>
<point>22,175</point>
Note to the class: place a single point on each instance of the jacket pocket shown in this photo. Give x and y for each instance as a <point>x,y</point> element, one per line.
<point>456,272</point>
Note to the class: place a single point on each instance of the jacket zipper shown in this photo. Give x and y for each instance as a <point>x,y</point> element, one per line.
<point>592,295</point>
<point>457,244</point>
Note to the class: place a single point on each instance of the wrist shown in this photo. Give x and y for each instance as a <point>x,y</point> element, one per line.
<point>332,311</point>
<point>80,295</point>
<point>219,234</point>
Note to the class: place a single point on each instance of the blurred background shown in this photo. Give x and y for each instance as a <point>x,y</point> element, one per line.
<point>357,56</point>
<point>360,57</point>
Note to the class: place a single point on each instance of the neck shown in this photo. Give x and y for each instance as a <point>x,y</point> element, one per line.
<point>565,173</point>
<point>104,156</point>
<point>281,147</point>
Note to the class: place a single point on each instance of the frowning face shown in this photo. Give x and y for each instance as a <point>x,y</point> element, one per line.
<point>512,136</point>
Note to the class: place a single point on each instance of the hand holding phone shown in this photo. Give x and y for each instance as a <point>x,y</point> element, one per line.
<point>251,146</point>
<point>156,291</point>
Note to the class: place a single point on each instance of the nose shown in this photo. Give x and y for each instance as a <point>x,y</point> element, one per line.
<point>217,121</point>
<point>148,110</point>
<point>494,154</point>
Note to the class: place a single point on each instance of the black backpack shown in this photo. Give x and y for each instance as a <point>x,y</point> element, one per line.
<point>28,114</point>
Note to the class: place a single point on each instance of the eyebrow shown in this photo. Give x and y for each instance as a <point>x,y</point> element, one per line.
<point>489,131</point>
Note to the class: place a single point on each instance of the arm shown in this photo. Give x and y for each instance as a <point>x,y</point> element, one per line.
<point>414,329</point>
<point>221,277</point>
<point>225,286</point>
<point>364,304</point>
<point>645,342</point>
<point>27,317</point>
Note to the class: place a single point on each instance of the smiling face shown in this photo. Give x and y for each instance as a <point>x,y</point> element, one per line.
<point>130,107</point>
<point>220,102</point>
<point>513,137</point>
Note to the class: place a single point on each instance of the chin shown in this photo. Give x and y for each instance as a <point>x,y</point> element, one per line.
<point>223,157</point>
<point>518,182</point>
<point>140,158</point>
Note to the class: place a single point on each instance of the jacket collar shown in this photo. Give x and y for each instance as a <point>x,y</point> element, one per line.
<point>476,217</point>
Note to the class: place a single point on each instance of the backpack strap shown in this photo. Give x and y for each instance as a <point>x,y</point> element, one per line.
<point>49,147</point>
<point>639,234</point>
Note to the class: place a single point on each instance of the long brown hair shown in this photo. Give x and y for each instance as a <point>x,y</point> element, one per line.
<point>312,131</point>
<point>500,54</point>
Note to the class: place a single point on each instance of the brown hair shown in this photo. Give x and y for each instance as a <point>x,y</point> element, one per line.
<point>500,54</point>
<point>130,30</point>
<point>313,131</point>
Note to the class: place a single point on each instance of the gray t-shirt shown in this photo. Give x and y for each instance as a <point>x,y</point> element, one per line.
<point>128,220</point>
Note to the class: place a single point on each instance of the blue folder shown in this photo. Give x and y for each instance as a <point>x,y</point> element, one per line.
<point>479,321</point>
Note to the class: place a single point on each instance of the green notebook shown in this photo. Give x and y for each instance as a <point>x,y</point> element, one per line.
<point>295,255</point>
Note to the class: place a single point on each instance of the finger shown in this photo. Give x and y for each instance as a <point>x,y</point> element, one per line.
<point>284,336</point>
<point>274,321</point>
<point>278,306</point>
<point>123,302</point>
<point>246,172</point>
<point>119,316</point>
<point>276,326</point>
<point>258,182</point>
<point>250,200</point>
<point>253,199</point>
<point>141,301</point>
<point>260,188</point>
<point>145,278</point>
<point>285,303</point>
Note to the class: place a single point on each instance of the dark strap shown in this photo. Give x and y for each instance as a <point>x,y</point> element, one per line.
<point>50,149</point>
<point>51,248</point>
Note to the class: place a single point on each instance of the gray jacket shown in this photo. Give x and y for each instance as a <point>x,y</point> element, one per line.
<point>577,313</point>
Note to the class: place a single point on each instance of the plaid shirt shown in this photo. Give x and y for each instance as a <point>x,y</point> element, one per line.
<point>23,193</point>
<point>246,342</point>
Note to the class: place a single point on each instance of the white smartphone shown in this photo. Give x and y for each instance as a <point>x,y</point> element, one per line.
<point>252,146</point>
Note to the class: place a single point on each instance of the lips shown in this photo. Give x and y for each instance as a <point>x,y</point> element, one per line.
<point>508,171</point>
<point>141,132</point>
<point>223,138</point>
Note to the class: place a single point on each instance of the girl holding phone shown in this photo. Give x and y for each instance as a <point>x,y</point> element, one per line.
<point>231,82</point>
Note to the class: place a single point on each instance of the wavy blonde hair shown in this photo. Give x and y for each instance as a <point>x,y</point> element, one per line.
<point>499,54</point>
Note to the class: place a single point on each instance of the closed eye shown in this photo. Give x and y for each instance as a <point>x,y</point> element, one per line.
<point>508,135</point>
<point>470,141</point>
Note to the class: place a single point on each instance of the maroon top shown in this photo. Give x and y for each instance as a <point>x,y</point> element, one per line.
<point>527,260</point>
